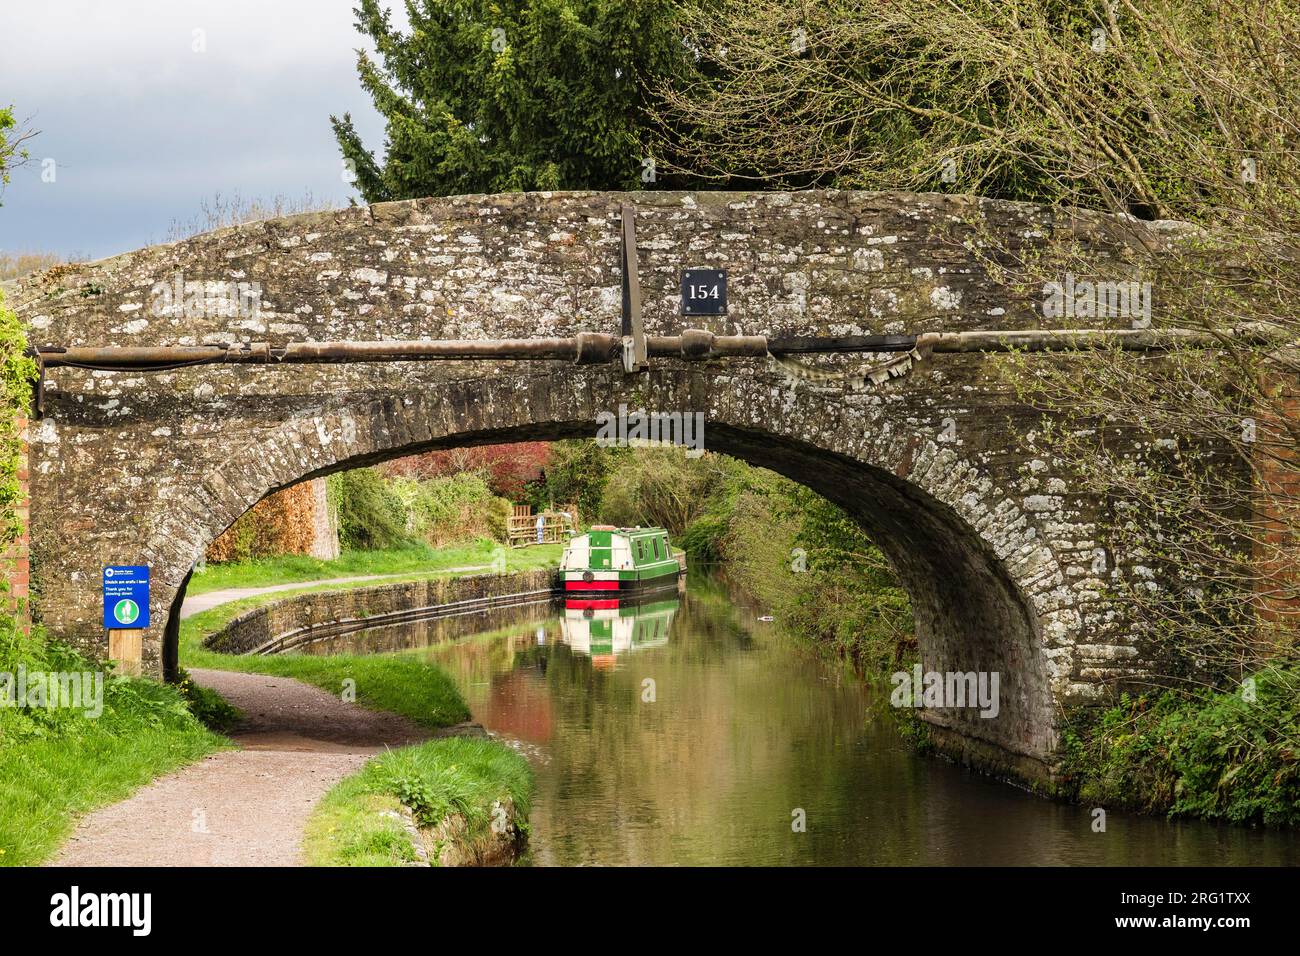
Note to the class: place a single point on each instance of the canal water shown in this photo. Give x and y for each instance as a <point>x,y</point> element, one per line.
<point>689,731</point>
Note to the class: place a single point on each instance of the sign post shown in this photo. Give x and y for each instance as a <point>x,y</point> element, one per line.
<point>126,614</point>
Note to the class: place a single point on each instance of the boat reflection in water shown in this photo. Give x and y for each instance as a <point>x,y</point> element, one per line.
<point>604,628</point>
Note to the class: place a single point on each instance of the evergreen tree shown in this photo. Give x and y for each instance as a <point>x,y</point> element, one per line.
<point>484,96</point>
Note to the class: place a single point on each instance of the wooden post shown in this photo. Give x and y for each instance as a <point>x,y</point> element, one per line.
<point>126,647</point>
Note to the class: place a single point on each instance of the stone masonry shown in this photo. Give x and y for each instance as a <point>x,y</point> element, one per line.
<point>996,549</point>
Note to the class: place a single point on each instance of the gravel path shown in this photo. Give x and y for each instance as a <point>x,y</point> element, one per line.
<point>244,807</point>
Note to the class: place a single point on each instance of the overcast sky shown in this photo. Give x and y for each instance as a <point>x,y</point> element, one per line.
<point>142,128</point>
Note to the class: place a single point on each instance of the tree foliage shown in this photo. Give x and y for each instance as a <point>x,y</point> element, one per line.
<point>661,487</point>
<point>1142,109</point>
<point>507,469</point>
<point>484,96</point>
<point>577,473</point>
<point>12,152</point>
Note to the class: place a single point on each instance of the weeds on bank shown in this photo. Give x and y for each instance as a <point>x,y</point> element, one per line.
<point>357,824</point>
<point>1231,755</point>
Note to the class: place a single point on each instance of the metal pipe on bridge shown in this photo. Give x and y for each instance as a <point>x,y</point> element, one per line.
<point>592,348</point>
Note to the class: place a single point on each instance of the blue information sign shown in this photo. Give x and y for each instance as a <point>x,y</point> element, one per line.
<point>126,596</point>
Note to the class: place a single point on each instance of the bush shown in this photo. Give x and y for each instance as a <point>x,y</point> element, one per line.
<point>281,523</point>
<point>703,541</point>
<point>1215,754</point>
<point>576,474</point>
<point>372,515</point>
<point>377,513</point>
<point>451,508</point>
<point>661,487</point>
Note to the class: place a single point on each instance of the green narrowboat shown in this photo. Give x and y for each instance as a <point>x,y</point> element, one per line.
<point>609,561</point>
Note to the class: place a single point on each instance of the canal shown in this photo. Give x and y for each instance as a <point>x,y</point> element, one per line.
<point>689,731</point>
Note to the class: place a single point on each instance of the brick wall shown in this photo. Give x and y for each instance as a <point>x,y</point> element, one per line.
<point>15,559</point>
<point>1277,476</point>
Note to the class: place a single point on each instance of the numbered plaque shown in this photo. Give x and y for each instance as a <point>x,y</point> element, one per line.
<point>704,292</point>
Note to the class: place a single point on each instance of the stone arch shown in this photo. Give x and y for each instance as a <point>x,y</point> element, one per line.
<point>999,546</point>
<point>981,581</point>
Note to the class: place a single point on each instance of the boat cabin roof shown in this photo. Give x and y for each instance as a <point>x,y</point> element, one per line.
<point>609,529</point>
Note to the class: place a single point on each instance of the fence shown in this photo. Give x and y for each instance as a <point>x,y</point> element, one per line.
<point>556,525</point>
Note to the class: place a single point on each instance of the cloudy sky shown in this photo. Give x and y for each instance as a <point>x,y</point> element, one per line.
<point>142,127</point>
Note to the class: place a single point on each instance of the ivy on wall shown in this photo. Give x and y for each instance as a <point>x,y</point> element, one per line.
<point>16,373</point>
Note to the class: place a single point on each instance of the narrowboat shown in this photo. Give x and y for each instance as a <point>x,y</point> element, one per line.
<point>609,561</point>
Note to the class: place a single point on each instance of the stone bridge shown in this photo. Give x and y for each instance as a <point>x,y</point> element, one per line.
<point>996,549</point>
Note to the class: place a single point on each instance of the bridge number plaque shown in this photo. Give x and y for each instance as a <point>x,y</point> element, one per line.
<point>126,596</point>
<point>704,292</point>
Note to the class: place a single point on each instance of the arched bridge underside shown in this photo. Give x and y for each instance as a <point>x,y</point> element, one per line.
<point>996,550</point>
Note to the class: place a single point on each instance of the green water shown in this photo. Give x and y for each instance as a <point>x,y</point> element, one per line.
<point>691,732</point>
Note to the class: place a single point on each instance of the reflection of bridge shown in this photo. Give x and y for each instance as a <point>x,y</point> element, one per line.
<point>996,547</point>
<point>604,629</point>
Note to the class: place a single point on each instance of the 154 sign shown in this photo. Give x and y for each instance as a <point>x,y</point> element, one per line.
<point>704,292</point>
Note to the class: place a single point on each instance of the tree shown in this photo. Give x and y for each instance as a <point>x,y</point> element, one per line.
<point>1144,109</point>
<point>507,469</point>
<point>12,137</point>
<point>577,473</point>
<point>483,97</point>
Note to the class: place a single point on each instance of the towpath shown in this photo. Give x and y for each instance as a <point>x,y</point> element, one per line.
<point>246,807</point>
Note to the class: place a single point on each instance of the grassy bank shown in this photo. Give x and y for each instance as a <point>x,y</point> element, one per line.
<point>58,764</point>
<point>804,559</point>
<point>358,824</point>
<point>401,684</point>
<point>1228,755</point>
<point>411,559</point>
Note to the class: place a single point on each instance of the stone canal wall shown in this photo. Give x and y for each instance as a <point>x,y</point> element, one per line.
<point>303,618</point>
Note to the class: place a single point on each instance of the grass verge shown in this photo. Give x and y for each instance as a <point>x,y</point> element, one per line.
<point>358,822</point>
<point>57,764</point>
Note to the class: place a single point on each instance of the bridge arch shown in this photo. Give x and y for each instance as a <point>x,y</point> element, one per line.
<point>976,572</point>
